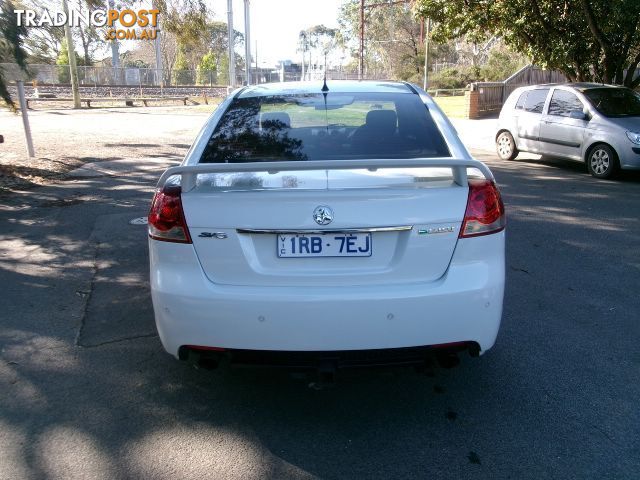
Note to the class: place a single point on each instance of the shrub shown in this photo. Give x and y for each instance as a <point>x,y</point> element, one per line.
<point>207,69</point>
<point>452,78</point>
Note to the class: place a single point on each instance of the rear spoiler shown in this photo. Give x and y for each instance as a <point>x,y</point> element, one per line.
<point>188,173</point>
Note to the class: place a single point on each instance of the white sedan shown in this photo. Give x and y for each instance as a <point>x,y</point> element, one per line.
<point>331,225</point>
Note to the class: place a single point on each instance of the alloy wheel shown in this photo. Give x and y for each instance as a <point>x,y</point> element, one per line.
<point>600,161</point>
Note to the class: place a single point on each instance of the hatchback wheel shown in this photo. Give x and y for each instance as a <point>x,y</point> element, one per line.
<point>602,161</point>
<point>506,146</point>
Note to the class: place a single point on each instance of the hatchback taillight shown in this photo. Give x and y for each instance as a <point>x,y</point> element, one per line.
<point>485,210</point>
<point>166,217</point>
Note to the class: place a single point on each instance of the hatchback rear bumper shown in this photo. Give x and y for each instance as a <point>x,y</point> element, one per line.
<point>465,305</point>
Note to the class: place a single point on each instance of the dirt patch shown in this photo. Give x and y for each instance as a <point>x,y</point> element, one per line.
<point>65,140</point>
<point>18,173</point>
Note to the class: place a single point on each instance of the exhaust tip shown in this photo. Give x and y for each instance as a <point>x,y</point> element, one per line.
<point>208,363</point>
<point>449,360</point>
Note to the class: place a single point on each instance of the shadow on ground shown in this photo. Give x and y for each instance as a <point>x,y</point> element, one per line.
<point>88,390</point>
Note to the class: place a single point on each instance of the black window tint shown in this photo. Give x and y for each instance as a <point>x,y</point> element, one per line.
<point>521,100</point>
<point>535,100</point>
<point>614,102</point>
<point>563,103</point>
<point>312,127</point>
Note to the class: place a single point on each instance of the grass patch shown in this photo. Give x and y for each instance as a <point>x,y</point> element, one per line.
<point>351,115</point>
<point>452,106</point>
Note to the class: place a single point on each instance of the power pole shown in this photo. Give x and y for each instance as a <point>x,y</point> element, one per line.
<point>231,41</point>
<point>115,48</point>
<point>157,45</point>
<point>361,56</point>
<point>72,59</point>
<point>426,55</point>
<point>247,41</point>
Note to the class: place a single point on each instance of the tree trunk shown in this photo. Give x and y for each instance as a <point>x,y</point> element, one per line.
<point>629,81</point>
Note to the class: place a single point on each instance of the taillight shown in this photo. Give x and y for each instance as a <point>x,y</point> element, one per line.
<point>166,217</point>
<point>485,210</point>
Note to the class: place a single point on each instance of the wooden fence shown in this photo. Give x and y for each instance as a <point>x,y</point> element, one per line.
<point>491,95</point>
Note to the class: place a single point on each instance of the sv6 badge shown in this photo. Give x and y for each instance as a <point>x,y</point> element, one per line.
<point>219,235</point>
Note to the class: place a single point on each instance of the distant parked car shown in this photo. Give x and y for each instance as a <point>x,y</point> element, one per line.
<point>588,122</point>
<point>327,226</point>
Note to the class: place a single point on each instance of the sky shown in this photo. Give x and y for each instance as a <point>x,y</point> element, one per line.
<point>275,24</point>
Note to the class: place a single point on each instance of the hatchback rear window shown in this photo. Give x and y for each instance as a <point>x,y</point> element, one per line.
<point>535,100</point>
<point>325,127</point>
<point>521,100</point>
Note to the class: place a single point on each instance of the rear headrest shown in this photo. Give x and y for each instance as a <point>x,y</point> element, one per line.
<point>382,120</point>
<point>275,119</point>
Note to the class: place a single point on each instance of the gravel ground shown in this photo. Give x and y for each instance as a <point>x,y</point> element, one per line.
<point>66,139</point>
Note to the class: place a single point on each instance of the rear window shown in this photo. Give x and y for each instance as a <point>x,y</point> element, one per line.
<point>319,127</point>
<point>535,100</point>
<point>521,100</point>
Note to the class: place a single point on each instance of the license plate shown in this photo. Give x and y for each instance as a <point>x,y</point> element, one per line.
<point>324,245</point>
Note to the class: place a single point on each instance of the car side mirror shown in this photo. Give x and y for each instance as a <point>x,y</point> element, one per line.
<point>578,115</point>
<point>1,139</point>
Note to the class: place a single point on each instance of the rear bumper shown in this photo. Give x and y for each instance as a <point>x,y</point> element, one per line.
<point>465,305</point>
<point>331,360</point>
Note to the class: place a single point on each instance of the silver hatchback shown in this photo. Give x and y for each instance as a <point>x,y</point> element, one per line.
<point>588,122</point>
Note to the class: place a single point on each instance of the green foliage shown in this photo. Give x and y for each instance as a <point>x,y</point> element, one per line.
<point>453,78</point>
<point>11,40</point>
<point>135,64</point>
<point>64,76</point>
<point>181,69</point>
<point>207,69</point>
<point>501,64</point>
<point>223,70</point>
<point>63,61</point>
<point>393,45</point>
<point>585,39</point>
<point>187,19</point>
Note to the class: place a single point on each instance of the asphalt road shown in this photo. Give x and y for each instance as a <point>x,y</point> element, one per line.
<point>86,390</point>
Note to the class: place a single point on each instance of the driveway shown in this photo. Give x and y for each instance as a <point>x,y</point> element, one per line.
<point>88,392</point>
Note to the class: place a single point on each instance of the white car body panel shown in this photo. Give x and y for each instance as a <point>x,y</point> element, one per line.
<point>465,304</point>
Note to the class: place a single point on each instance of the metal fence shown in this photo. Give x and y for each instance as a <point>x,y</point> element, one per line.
<point>146,77</point>
<point>108,76</point>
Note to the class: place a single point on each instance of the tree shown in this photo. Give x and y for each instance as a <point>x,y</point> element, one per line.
<point>89,38</point>
<point>186,19</point>
<point>392,39</point>
<point>501,63</point>
<point>585,39</point>
<point>63,63</point>
<point>182,75</point>
<point>11,40</point>
<point>218,40</point>
<point>43,43</point>
<point>321,40</point>
<point>206,68</point>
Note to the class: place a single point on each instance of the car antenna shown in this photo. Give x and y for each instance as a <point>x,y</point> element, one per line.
<point>324,91</point>
<point>324,88</point>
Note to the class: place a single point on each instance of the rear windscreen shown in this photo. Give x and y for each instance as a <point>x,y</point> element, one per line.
<point>325,127</point>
